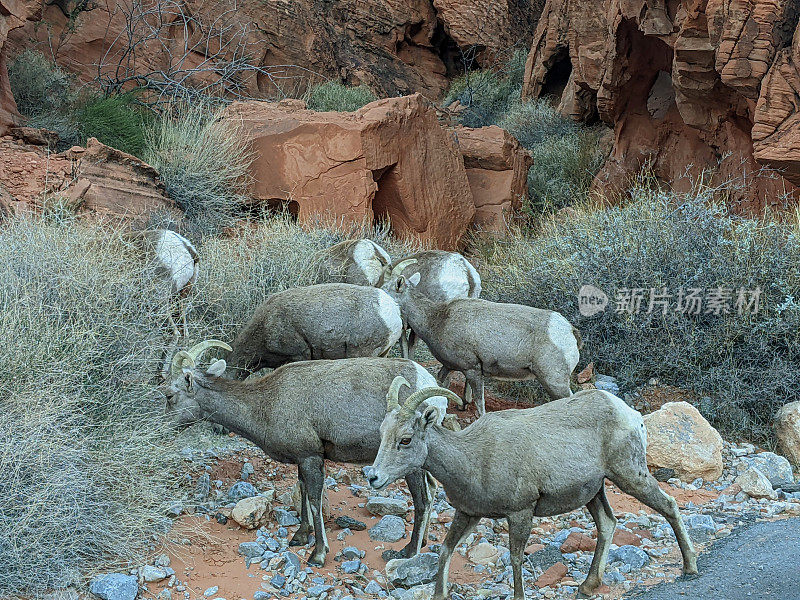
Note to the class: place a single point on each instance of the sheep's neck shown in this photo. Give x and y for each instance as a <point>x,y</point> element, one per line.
<point>418,312</point>
<point>233,412</point>
<point>449,460</point>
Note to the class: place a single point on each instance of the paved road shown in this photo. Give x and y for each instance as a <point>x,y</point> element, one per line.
<point>758,562</point>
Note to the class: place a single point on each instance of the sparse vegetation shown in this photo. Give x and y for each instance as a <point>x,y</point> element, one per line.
<point>44,94</point>
<point>566,154</point>
<point>742,367</point>
<point>335,96</point>
<point>204,162</point>
<point>86,463</point>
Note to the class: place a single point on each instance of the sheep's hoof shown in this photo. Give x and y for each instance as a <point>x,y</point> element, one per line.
<point>586,591</point>
<point>690,568</point>
<point>317,559</point>
<point>300,538</point>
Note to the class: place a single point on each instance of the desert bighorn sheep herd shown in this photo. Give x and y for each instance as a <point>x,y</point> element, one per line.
<point>363,406</point>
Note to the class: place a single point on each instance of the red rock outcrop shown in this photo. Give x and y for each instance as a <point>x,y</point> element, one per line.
<point>389,159</point>
<point>393,46</point>
<point>13,15</point>
<point>497,170</point>
<point>678,80</point>
<point>97,179</point>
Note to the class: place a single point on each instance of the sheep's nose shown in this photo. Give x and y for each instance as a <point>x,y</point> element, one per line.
<point>369,473</point>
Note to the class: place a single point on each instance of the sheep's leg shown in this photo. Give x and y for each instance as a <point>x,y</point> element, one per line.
<point>422,495</point>
<point>300,537</point>
<point>412,343</point>
<point>474,389</point>
<point>184,320</point>
<point>314,475</point>
<point>644,488</point>
<point>403,344</point>
<point>441,378</point>
<point>519,529</point>
<point>460,528</point>
<point>606,522</point>
<point>175,331</point>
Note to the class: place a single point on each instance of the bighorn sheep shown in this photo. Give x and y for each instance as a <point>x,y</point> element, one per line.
<point>444,276</point>
<point>304,413</point>
<point>327,320</point>
<point>360,262</point>
<point>177,264</point>
<point>521,464</point>
<point>488,339</point>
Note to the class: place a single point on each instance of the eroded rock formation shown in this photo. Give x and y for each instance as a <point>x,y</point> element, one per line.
<point>687,85</point>
<point>14,14</point>
<point>389,159</point>
<point>97,180</point>
<point>497,170</point>
<point>393,46</point>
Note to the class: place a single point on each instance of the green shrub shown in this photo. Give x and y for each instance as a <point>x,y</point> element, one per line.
<point>334,96</point>
<point>87,464</point>
<point>742,367</point>
<point>116,121</point>
<point>487,94</point>
<point>39,86</point>
<point>566,156</point>
<point>204,162</point>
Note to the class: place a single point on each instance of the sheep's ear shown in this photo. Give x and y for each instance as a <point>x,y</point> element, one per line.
<point>414,280</point>
<point>189,379</point>
<point>217,368</point>
<point>430,416</point>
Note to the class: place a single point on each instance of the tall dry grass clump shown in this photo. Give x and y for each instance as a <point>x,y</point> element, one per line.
<point>85,459</point>
<point>204,163</point>
<point>743,367</point>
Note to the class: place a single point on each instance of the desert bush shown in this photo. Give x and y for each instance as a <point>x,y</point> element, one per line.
<point>204,162</point>
<point>334,96</point>
<point>39,86</point>
<point>741,366</point>
<point>85,458</point>
<point>566,156</point>
<point>487,94</point>
<point>116,121</point>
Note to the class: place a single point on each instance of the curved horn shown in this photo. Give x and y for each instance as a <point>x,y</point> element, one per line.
<point>401,266</point>
<point>180,361</point>
<point>392,401</point>
<point>414,400</point>
<point>196,351</point>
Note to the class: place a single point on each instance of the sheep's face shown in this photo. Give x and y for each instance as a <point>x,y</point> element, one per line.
<point>182,407</point>
<point>404,445</point>
<point>401,287</point>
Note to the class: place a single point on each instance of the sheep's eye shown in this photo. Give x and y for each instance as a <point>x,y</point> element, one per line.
<point>405,441</point>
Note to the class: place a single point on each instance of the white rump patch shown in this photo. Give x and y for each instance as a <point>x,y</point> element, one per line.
<point>453,278</point>
<point>560,333</point>
<point>365,255</point>
<point>173,253</point>
<point>389,312</point>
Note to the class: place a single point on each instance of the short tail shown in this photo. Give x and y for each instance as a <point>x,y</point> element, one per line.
<point>578,337</point>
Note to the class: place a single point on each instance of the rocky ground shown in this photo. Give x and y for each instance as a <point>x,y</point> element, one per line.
<point>209,555</point>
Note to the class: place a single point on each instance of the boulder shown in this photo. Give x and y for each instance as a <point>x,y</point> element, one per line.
<point>253,512</point>
<point>755,484</point>
<point>383,505</point>
<point>408,572</point>
<point>679,438</point>
<point>787,431</point>
<point>681,85</point>
<point>390,528</point>
<point>114,586</point>
<point>484,554</point>
<point>388,160</point>
<point>497,169</point>
<point>776,468</point>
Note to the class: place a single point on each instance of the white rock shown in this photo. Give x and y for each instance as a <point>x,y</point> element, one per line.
<point>787,430</point>
<point>755,484</point>
<point>484,554</point>
<point>253,512</point>
<point>679,438</point>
